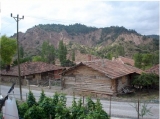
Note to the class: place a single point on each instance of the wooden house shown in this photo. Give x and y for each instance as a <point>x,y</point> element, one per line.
<point>35,71</point>
<point>124,60</point>
<point>99,77</point>
<point>154,69</point>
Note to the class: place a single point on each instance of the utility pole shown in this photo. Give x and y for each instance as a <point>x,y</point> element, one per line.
<point>19,74</point>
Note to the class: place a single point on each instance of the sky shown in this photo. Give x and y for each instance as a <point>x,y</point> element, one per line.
<point>141,16</point>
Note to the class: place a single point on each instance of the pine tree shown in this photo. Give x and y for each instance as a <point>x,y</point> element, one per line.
<point>62,53</point>
<point>73,55</point>
<point>48,52</point>
<point>42,97</point>
<point>31,99</point>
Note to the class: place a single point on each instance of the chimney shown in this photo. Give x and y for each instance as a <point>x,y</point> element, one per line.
<point>89,58</point>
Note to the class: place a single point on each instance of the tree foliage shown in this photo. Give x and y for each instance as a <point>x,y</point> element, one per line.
<point>37,58</point>
<point>35,112</point>
<point>56,107</point>
<point>47,106</point>
<point>8,48</point>
<point>42,97</point>
<point>48,52</point>
<point>22,60</point>
<point>73,55</point>
<point>74,29</point>
<point>146,80</point>
<point>146,60</point>
<point>21,52</point>
<point>31,99</point>
<point>138,60</point>
<point>22,108</point>
<point>62,52</point>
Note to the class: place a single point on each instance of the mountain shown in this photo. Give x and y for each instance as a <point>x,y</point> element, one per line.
<point>154,36</point>
<point>102,42</point>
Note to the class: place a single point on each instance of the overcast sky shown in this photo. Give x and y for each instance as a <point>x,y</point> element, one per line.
<point>140,16</point>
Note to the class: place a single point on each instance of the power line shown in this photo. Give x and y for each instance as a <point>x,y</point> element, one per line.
<point>56,20</point>
<point>6,26</point>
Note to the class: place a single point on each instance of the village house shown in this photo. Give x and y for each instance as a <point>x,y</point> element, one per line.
<point>154,69</point>
<point>99,77</point>
<point>33,71</point>
<point>124,60</point>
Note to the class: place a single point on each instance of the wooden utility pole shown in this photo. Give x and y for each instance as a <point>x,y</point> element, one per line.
<point>19,74</point>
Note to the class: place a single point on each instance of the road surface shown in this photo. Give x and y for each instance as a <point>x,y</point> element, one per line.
<point>118,109</point>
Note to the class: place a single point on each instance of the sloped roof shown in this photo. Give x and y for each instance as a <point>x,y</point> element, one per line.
<point>110,68</point>
<point>154,69</point>
<point>29,68</point>
<point>125,60</point>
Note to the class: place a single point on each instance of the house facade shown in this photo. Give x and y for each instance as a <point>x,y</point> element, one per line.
<point>33,71</point>
<point>99,77</point>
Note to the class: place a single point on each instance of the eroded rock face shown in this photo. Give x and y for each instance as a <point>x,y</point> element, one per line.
<point>33,38</point>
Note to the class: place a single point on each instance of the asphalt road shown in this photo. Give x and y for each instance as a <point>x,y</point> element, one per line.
<point>118,109</point>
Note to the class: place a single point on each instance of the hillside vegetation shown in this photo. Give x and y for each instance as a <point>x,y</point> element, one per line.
<point>104,42</point>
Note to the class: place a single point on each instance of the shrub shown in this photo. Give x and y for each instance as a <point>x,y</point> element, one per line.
<point>42,97</point>
<point>35,112</point>
<point>31,99</point>
<point>22,108</point>
<point>146,80</point>
<point>47,107</point>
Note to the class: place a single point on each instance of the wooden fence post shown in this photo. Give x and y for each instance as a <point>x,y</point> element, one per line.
<point>38,82</point>
<point>83,100</point>
<point>49,84</point>
<point>29,85</point>
<point>110,107</point>
<point>138,108</point>
<point>26,96</point>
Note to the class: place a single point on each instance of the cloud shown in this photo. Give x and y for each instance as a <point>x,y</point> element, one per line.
<point>140,16</point>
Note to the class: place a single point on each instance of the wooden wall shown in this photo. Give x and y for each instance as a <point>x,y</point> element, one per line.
<point>87,79</point>
<point>38,76</point>
<point>123,81</point>
<point>56,74</point>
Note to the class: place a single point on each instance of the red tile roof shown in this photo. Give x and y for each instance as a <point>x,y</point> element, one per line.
<point>125,60</point>
<point>29,68</point>
<point>154,69</point>
<point>110,68</point>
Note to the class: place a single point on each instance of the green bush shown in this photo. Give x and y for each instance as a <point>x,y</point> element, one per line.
<point>35,112</point>
<point>47,106</point>
<point>146,80</point>
<point>22,108</point>
<point>56,107</point>
<point>31,99</point>
<point>42,97</point>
